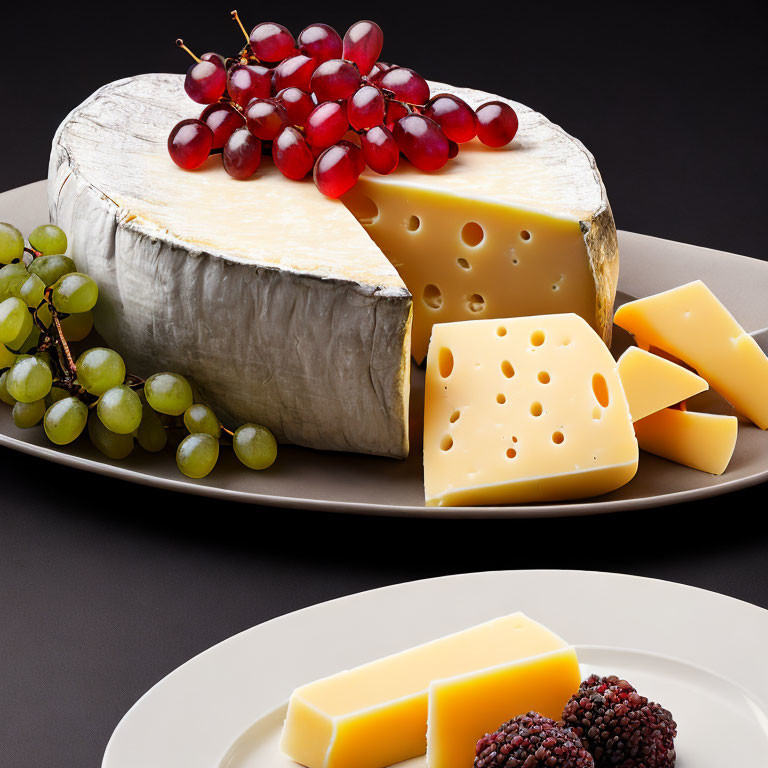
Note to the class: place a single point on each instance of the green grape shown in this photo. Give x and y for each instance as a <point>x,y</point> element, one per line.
<point>168,393</point>
<point>32,291</point>
<point>50,268</point>
<point>44,314</point>
<point>26,343</point>
<point>48,239</point>
<point>197,455</point>
<point>111,444</point>
<point>255,446</point>
<point>7,358</point>
<point>26,415</point>
<point>11,243</point>
<point>15,320</point>
<point>30,379</point>
<point>5,395</point>
<point>151,434</point>
<point>12,277</point>
<point>200,418</point>
<point>76,327</point>
<point>65,420</point>
<point>100,369</point>
<point>75,292</point>
<point>119,409</point>
<point>56,394</point>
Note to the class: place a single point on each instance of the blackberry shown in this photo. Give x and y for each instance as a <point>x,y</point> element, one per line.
<point>532,741</point>
<point>621,728</point>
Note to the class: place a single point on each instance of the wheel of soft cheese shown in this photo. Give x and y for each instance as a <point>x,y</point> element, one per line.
<point>278,303</point>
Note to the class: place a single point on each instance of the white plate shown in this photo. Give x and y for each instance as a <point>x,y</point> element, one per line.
<point>700,654</point>
<point>370,485</point>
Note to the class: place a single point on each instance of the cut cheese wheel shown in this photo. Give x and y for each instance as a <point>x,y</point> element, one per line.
<point>376,715</point>
<point>276,300</point>
<point>704,441</point>
<point>524,409</point>
<point>690,323</point>
<point>651,383</point>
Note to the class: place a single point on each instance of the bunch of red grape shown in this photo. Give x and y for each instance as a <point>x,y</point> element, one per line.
<point>325,104</point>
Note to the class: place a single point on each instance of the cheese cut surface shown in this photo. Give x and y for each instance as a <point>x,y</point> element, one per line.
<point>376,715</point>
<point>690,323</point>
<point>524,409</point>
<point>704,441</point>
<point>651,382</point>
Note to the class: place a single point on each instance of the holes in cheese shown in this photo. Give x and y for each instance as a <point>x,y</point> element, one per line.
<point>413,223</point>
<point>472,234</point>
<point>600,452</point>
<point>432,296</point>
<point>446,443</point>
<point>364,210</point>
<point>463,263</point>
<point>476,303</point>
<point>511,453</point>
<point>525,235</point>
<point>455,417</point>
<point>445,362</point>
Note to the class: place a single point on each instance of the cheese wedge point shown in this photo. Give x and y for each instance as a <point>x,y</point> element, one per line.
<point>703,441</point>
<point>651,382</point>
<point>690,323</point>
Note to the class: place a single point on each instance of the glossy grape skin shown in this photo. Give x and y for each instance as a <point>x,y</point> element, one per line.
<point>7,358</point>
<point>75,292</point>
<point>11,243</point>
<point>255,446</point>
<point>355,152</point>
<point>326,125</point>
<point>12,277</point>
<point>320,42</point>
<point>119,409</point>
<point>394,112</point>
<point>335,171</point>
<point>249,81</point>
<point>454,116</point>
<point>271,41</point>
<point>14,320</point>
<point>65,420</point>
<point>25,342</point>
<point>200,418</point>
<point>5,395</point>
<point>111,444</point>
<point>168,393</point>
<point>292,155</point>
<point>197,455</point>
<point>27,415</point>
<point>363,43</point>
<point>295,72</point>
<point>56,394</point>
<point>50,268</point>
<point>422,142</point>
<point>297,104</point>
<point>335,79</point>
<point>48,239</point>
<point>453,149</point>
<point>189,144</point>
<point>497,123</point>
<point>205,81</point>
<point>76,327</point>
<point>266,118</point>
<point>378,70</point>
<point>32,290</point>
<point>366,108</point>
<point>242,154</point>
<point>30,379</point>
<point>216,58</point>
<point>151,434</point>
<point>407,85</point>
<point>223,119</point>
<point>100,369</point>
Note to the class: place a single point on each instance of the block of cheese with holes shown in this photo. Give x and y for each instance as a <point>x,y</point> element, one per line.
<point>524,409</point>
<point>690,323</point>
<point>651,382</point>
<point>465,684</point>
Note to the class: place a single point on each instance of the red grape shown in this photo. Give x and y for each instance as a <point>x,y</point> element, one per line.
<point>355,152</point>
<point>297,104</point>
<point>496,123</point>
<point>335,79</point>
<point>320,42</point>
<point>366,108</point>
<point>363,43</point>
<point>215,58</point>
<point>190,143</point>
<point>378,70</point>
<point>295,71</point>
<point>205,82</point>
<point>336,171</point>
<point>394,112</point>
<point>265,118</point>
<point>271,41</point>
<point>291,154</point>
<point>422,142</point>
<point>407,85</point>
<point>222,119</point>
<point>380,149</point>
<point>242,154</point>
<point>326,125</point>
<point>249,81</point>
<point>454,116</point>
<point>453,149</point>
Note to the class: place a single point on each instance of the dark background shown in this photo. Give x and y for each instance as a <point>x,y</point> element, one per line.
<point>106,587</point>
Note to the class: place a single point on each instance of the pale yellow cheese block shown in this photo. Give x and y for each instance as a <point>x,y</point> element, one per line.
<point>651,382</point>
<point>376,715</point>
<point>704,441</point>
<point>524,409</point>
<point>690,323</point>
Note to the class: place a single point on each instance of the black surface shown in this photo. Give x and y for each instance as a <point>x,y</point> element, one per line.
<point>106,587</point>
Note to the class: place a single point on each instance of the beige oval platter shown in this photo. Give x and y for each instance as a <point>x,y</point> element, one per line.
<point>303,478</point>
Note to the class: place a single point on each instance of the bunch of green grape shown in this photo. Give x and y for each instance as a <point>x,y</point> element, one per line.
<point>45,304</point>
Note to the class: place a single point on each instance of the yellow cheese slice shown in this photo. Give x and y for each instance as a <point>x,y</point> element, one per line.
<point>376,714</point>
<point>704,441</point>
<point>651,383</point>
<point>690,323</point>
<point>524,409</point>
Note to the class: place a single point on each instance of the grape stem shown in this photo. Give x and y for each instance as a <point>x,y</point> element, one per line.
<point>183,47</point>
